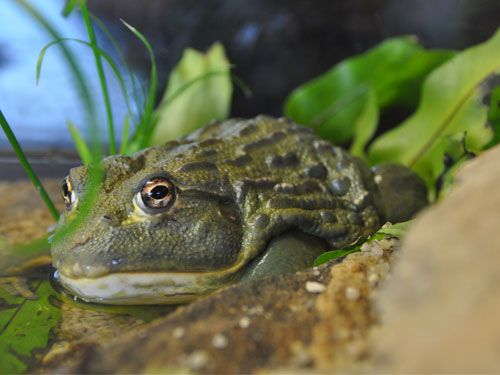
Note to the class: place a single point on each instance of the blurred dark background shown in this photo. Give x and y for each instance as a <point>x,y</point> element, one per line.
<point>275,46</point>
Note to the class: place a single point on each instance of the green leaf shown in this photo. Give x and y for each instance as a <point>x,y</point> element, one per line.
<point>28,169</point>
<point>81,146</point>
<point>137,92</point>
<point>332,102</point>
<point>396,230</point>
<point>109,60</point>
<point>199,90</point>
<point>145,129</point>
<point>25,327</point>
<point>393,230</point>
<point>334,254</point>
<point>70,6</point>
<point>125,136</point>
<point>494,115</point>
<point>451,104</point>
<point>365,126</point>
<point>97,52</point>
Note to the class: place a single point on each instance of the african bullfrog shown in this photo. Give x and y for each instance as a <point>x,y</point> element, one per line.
<point>234,200</point>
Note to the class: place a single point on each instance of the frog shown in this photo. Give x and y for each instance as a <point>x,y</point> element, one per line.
<point>239,199</point>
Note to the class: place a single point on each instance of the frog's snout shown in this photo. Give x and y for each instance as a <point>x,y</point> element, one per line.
<point>402,193</point>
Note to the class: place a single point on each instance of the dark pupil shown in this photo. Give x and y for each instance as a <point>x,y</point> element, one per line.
<point>65,189</point>
<point>159,192</point>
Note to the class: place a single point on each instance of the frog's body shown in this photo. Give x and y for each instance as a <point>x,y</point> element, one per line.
<point>233,187</point>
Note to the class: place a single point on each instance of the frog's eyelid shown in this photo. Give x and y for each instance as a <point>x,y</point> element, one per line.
<point>165,175</point>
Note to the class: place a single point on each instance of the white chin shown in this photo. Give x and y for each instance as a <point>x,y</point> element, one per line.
<point>138,288</point>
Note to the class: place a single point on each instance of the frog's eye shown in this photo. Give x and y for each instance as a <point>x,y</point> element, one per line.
<point>157,193</point>
<point>68,194</point>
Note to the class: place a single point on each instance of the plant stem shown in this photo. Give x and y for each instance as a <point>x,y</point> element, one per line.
<point>92,126</point>
<point>27,167</point>
<point>102,77</point>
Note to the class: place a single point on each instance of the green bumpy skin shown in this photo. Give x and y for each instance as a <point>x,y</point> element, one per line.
<point>239,184</point>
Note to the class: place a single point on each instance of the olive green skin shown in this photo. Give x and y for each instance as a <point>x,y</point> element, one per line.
<point>239,184</point>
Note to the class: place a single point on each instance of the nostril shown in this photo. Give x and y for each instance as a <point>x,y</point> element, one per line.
<point>108,220</point>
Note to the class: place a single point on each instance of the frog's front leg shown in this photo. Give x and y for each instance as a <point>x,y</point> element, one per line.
<point>287,253</point>
<point>402,193</point>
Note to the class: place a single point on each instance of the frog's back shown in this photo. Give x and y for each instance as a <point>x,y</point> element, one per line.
<point>283,178</point>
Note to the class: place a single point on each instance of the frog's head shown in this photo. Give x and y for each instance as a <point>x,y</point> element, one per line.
<point>156,232</point>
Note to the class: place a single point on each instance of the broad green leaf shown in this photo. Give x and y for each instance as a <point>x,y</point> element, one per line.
<point>494,114</point>
<point>393,70</point>
<point>451,105</point>
<point>25,327</point>
<point>199,90</point>
<point>81,146</point>
<point>365,126</point>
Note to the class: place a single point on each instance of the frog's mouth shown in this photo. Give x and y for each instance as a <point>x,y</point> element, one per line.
<point>146,287</point>
<point>135,288</point>
<point>141,288</point>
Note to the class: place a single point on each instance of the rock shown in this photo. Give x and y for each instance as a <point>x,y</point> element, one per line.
<point>265,325</point>
<point>441,307</point>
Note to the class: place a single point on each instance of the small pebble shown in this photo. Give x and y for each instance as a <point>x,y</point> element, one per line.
<point>352,266</point>
<point>366,247</point>
<point>315,287</point>
<point>256,310</point>
<point>219,341</point>
<point>352,293</point>
<point>373,278</point>
<point>244,322</point>
<point>178,332</point>
<point>395,243</point>
<point>376,250</point>
<point>198,359</point>
<point>385,244</point>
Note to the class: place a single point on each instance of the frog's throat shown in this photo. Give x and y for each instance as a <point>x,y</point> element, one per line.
<point>142,288</point>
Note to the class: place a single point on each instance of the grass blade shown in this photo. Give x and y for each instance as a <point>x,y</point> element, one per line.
<point>27,167</point>
<point>125,135</point>
<point>81,146</point>
<point>102,77</point>
<point>69,7</point>
<point>102,53</point>
<point>76,70</point>
<point>146,126</point>
<point>96,172</point>
<point>138,92</point>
